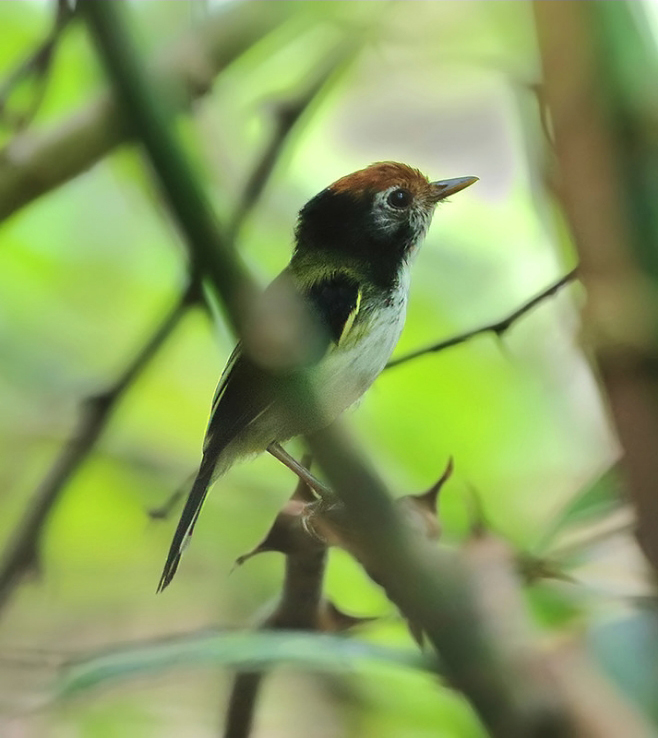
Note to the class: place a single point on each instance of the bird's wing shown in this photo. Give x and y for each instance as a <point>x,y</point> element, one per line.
<point>244,394</point>
<point>241,397</point>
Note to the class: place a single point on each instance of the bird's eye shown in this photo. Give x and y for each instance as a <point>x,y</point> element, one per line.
<point>399,198</point>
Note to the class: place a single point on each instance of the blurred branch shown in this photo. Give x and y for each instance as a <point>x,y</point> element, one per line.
<point>21,555</point>
<point>303,531</point>
<point>430,586</point>
<point>499,328</point>
<point>436,589</point>
<point>37,66</point>
<point>598,60</point>
<point>287,114</point>
<point>33,163</point>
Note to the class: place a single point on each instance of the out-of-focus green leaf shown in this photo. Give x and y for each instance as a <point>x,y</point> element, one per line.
<point>243,651</point>
<point>592,503</point>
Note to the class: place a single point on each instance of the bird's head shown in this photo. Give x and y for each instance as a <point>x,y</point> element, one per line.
<point>374,217</point>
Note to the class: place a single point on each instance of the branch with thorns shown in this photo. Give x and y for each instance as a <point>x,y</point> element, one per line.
<point>303,531</point>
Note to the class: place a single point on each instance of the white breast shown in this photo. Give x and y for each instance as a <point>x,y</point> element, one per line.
<point>347,372</point>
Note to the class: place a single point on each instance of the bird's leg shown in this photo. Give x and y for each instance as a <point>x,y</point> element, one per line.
<point>301,471</point>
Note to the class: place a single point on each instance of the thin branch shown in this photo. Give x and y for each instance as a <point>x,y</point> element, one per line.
<point>499,328</point>
<point>22,553</point>
<point>37,65</point>
<point>287,115</point>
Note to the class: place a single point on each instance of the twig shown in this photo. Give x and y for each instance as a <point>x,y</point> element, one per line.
<point>499,328</point>
<point>37,64</point>
<point>22,553</point>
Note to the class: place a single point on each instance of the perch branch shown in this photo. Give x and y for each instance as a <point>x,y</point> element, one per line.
<point>303,530</point>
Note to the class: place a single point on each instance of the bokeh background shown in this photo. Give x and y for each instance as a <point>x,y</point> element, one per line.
<point>87,272</point>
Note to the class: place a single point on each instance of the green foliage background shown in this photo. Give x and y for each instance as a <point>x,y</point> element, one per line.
<point>87,271</point>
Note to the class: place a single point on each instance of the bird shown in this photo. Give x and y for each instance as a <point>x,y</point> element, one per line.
<point>354,243</point>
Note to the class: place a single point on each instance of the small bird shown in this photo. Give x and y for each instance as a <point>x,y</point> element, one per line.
<point>354,243</point>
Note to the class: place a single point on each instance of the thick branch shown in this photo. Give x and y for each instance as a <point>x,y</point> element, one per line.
<point>21,555</point>
<point>499,328</point>
<point>593,54</point>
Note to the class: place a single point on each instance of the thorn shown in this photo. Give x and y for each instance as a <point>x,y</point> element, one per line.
<point>534,569</point>
<point>417,634</point>
<point>333,620</point>
<point>249,555</point>
<point>431,496</point>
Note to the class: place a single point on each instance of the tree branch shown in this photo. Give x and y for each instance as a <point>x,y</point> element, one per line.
<point>606,148</point>
<point>21,555</point>
<point>34,163</point>
<point>499,328</point>
<point>38,65</point>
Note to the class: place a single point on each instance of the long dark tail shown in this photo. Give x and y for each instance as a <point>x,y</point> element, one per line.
<point>187,522</point>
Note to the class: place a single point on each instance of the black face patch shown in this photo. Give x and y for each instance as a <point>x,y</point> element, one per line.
<point>344,223</point>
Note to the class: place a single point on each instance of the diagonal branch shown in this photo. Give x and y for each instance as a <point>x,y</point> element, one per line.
<point>22,554</point>
<point>37,162</point>
<point>499,328</point>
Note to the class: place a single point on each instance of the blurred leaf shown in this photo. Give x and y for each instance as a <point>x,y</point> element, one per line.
<point>553,605</point>
<point>592,503</point>
<point>627,650</point>
<point>243,651</point>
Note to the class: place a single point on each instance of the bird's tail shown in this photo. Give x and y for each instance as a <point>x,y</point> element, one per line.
<point>187,522</point>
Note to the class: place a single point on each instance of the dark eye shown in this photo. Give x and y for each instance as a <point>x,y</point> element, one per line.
<point>399,198</point>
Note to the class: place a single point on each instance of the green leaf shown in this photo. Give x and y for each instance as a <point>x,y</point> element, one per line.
<point>242,651</point>
<point>590,504</point>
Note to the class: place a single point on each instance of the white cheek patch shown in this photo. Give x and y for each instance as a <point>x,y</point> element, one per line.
<point>387,219</point>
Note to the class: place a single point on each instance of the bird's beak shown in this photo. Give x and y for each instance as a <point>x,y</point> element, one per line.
<point>446,187</point>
